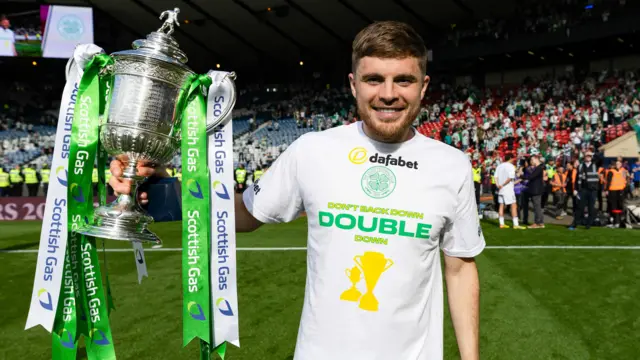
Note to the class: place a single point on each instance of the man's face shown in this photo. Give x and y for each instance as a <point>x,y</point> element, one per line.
<point>618,164</point>
<point>4,23</point>
<point>388,94</point>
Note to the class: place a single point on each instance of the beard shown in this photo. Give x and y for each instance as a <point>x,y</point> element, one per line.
<point>388,130</point>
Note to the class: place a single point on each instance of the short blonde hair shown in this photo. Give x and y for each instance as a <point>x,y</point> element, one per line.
<point>390,40</point>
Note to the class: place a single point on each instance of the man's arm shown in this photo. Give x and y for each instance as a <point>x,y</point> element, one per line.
<point>463,293</point>
<point>245,222</point>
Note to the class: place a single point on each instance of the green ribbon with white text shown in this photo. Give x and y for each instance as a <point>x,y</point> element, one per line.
<point>195,214</point>
<point>90,293</point>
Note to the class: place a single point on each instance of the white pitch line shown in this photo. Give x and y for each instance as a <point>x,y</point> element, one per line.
<point>508,247</point>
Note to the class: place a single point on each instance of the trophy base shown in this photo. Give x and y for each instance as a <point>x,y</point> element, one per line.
<point>121,220</point>
<point>114,233</point>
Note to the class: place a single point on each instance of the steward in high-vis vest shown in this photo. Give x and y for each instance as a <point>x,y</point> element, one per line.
<point>602,173</point>
<point>586,189</point>
<point>614,189</point>
<point>257,174</point>
<point>45,174</point>
<point>241,178</point>
<point>15,176</point>
<point>178,174</point>
<point>5,184</point>
<point>559,190</point>
<point>477,181</point>
<point>94,180</point>
<point>572,173</point>
<point>31,179</point>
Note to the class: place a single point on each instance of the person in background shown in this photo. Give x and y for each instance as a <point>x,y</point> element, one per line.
<point>602,180</point>
<point>45,174</point>
<point>31,179</point>
<point>586,189</point>
<point>635,176</point>
<point>535,188</point>
<point>4,183</point>
<point>7,38</point>
<point>94,180</point>
<point>241,178</point>
<point>614,190</point>
<point>494,188</point>
<point>15,176</point>
<point>257,174</point>
<point>505,182</point>
<point>526,196</point>
<point>477,181</point>
<point>559,190</point>
<point>519,187</point>
<point>572,172</point>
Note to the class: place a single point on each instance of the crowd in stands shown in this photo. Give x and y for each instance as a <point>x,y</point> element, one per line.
<point>536,17</point>
<point>561,118</point>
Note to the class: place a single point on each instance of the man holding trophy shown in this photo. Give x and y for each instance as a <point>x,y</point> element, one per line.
<point>381,200</point>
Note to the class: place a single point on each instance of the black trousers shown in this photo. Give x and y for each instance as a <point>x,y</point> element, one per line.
<point>494,191</point>
<point>588,200</point>
<point>616,203</point>
<point>600,201</point>
<point>477,187</point>
<point>524,204</point>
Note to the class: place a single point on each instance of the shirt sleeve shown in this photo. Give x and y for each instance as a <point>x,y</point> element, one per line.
<point>276,197</point>
<point>462,236</point>
<point>512,173</point>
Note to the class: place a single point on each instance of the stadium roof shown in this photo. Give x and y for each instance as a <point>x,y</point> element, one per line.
<point>245,33</point>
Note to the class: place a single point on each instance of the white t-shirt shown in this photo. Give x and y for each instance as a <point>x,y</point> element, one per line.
<point>424,194</point>
<point>7,42</point>
<point>504,172</point>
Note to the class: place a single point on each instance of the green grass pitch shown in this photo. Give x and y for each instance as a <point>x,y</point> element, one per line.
<point>550,303</point>
<point>31,48</point>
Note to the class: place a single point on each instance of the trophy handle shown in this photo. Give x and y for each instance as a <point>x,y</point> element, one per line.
<point>389,264</point>
<point>348,272</point>
<point>357,260</point>
<point>230,77</point>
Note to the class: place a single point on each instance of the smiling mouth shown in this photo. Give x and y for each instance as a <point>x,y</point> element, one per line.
<point>387,110</point>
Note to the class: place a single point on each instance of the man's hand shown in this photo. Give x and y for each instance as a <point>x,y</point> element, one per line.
<point>122,186</point>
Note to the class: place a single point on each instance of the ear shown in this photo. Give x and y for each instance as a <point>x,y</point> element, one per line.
<point>352,83</point>
<point>425,85</point>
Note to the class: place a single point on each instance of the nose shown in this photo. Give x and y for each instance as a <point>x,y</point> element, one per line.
<point>387,92</point>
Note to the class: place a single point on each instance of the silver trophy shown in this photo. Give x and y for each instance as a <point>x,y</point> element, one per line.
<point>143,124</point>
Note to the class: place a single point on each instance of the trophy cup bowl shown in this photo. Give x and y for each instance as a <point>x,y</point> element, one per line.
<point>142,126</point>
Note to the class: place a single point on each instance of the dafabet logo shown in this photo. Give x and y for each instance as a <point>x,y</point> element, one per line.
<point>45,299</point>
<point>358,156</point>
<point>224,307</point>
<point>195,310</point>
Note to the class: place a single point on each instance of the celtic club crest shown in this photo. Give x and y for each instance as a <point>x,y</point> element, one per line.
<point>378,182</point>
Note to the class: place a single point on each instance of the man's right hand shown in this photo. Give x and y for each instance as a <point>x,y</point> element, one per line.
<point>123,186</point>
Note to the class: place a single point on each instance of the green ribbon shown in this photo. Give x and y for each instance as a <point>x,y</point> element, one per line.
<point>90,294</point>
<point>195,214</point>
<point>63,336</point>
<point>105,91</point>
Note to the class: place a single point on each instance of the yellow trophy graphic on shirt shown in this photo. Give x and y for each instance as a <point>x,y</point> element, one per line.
<point>353,294</point>
<point>372,264</point>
